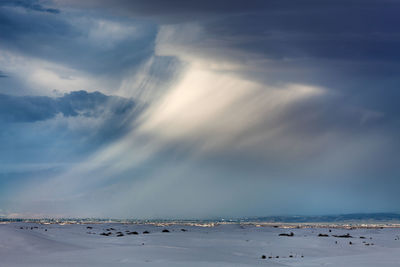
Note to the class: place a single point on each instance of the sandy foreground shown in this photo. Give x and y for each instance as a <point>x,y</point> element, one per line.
<point>31,244</point>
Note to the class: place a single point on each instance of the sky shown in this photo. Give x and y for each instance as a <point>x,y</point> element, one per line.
<point>198,109</point>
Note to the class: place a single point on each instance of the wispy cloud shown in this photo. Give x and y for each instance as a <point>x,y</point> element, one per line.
<point>33,5</point>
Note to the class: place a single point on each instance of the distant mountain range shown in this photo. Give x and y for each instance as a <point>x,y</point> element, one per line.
<point>330,218</point>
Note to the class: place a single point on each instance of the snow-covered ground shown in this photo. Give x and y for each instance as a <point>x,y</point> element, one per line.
<point>30,244</point>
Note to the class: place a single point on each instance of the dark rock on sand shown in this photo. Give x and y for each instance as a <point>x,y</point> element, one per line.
<point>165,231</point>
<point>106,234</point>
<point>284,234</point>
<point>146,232</point>
<point>343,236</point>
<point>263,257</point>
<point>323,235</point>
<point>133,233</point>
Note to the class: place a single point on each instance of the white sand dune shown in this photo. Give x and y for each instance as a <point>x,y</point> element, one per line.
<point>224,245</point>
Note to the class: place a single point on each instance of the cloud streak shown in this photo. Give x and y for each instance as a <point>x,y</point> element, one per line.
<point>30,5</point>
<point>35,108</point>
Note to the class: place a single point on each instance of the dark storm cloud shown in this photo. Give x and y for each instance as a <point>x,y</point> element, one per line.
<point>352,41</point>
<point>348,47</point>
<point>38,108</point>
<point>175,10</point>
<point>181,10</point>
<point>364,32</point>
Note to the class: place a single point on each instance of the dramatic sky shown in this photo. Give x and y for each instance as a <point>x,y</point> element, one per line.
<point>199,109</point>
